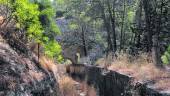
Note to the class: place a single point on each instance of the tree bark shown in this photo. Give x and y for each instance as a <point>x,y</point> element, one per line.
<point>84,42</point>
<point>156,51</point>
<point>112,17</point>
<point>148,9</point>
<point>122,26</point>
<point>156,44</point>
<point>138,22</point>
<point>107,26</point>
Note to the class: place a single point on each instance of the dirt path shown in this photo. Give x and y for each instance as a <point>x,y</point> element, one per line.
<point>70,87</point>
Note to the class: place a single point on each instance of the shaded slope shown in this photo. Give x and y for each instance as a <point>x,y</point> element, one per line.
<point>21,75</point>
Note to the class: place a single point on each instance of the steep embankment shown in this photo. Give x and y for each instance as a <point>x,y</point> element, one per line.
<point>111,83</point>
<point>21,75</point>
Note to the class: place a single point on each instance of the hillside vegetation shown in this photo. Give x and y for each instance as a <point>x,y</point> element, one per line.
<point>39,38</point>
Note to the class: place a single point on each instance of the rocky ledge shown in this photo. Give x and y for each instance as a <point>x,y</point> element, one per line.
<point>111,83</point>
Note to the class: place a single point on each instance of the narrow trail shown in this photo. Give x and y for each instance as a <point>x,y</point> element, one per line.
<point>79,89</point>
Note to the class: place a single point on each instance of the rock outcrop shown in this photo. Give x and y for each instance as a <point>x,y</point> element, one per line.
<point>21,75</point>
<point>110,83</point>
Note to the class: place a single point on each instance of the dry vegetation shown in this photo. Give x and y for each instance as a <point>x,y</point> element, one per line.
<point>48,64</point>
<point>68,86</point>
<point>142,69</point>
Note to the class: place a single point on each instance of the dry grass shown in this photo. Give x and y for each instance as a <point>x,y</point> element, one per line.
<point>67,86</point>
<point>163,84</point>
<point>142,69</point>
<point>36,75</point>
<point>48,64</point>
<point>1,20</point>
<point>2,40</point>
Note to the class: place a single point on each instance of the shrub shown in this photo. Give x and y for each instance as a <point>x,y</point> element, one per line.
<point>166,57</point>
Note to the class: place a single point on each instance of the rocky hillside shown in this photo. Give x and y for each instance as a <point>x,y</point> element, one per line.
<point>21,75</point>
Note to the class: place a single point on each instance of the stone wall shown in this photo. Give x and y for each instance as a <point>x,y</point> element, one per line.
<point>110,83</point>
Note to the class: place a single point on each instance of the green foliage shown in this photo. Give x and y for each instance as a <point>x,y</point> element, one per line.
<point>47,15</point>
<point>6,2</point>
<point>166,57</point>
<point>60,4</point>
<point>37,20</point>
<point>47,19</point>
<point>50,49</point>
<point>27,16</point>
<point>131,16</point>
<point>73,26</point>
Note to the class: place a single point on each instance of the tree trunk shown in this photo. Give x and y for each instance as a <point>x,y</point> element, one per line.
<point>156,51</point>
<point>84,42</point>
<point>148,9</point>
<point>107,26</point>
<point>138,22</point>
<point>122,26</point>
<point>112,17</point>
<point>156,45</point>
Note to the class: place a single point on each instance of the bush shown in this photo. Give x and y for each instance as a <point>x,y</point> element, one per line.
<point>36,21</point>
<point>166,57</point>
